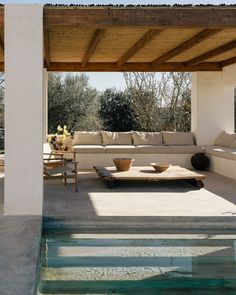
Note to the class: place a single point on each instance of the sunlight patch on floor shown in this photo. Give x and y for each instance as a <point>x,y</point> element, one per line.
<point>190,203</point>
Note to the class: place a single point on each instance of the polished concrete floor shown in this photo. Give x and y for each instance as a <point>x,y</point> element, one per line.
<point>95,200</point>
<point>19,250</point>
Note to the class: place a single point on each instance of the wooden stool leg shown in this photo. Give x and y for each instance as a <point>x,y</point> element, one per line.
<point>76,177</point>
<point>196,182</point>
<point>65,179</point>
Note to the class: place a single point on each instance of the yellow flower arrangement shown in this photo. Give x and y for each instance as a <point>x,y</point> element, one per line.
<point>59,140</point>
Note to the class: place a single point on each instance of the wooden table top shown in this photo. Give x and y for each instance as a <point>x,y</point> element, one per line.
<point>148,173</point>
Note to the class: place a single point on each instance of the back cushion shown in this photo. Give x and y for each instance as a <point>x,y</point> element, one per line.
<point>87,137</point>
<point>233,144</point>
<point>110,138</point>
<point>147,138</point>
<point>178,138</point>
<point>225,139</point>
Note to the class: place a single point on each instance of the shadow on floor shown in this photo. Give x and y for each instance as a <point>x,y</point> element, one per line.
<point>138,204</point>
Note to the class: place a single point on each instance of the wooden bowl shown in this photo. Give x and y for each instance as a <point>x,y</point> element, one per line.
<point>123,164</point>
<point>160,167</point>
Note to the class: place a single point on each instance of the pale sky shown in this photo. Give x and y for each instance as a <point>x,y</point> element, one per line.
<point>107,80</point>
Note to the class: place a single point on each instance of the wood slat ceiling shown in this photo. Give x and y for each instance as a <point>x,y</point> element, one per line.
<point>1,38</point>
<point>136,39</point>
<point>139,39</point>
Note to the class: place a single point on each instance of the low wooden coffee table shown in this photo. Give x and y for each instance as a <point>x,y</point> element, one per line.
<point>110,175</point>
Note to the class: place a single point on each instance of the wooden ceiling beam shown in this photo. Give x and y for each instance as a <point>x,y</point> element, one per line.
<point>1,17</point>
<point>47,59</point>
<point>2,27</point>
<point>228,62</point>
<point>97,36</point>
<point>1,44</point>
<point>1,66</point>
<point>224,48</point>
<point>142,42</point>
<point>140,17</point>
<point>131,67</point>
<point>196,39</point>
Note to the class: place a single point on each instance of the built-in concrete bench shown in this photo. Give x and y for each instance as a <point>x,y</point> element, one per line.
<point>99,148</point>
<point>223,155</point>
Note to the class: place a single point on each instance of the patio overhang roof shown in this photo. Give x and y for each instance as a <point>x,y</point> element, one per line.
<point>139,38</point>
<point>136,38</point>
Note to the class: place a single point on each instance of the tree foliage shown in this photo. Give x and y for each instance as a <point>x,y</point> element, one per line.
<point>72,102</point>
<point>116,112</point>
<point>142,89</point>
<point>147,103</point>
<point>163,104</point>
<point>175,93</point>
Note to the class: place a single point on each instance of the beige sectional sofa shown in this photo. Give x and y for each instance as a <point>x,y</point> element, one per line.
<point>99,148</point>
<point>223,155</point>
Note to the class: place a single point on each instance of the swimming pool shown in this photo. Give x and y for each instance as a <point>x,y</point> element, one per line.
<point>148,264</point>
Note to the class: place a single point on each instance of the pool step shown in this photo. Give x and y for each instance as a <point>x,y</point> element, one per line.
<point>149,287</point>
<point>138,264</point>
<point>162,224</point>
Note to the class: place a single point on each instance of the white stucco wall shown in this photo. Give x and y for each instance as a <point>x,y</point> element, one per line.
<point>213,104</point>
<point>23,109</point>
<point>45,105</point>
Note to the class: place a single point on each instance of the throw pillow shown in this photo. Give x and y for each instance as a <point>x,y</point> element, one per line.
<point>113,138</point>
<point>147,138</point>
<point>178,138</point>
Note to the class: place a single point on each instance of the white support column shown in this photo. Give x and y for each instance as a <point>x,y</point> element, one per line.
<point>45,105</point>
<point>212,104</point>
<point>23,109</point>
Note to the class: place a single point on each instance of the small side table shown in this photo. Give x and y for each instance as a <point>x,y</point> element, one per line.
<point>200,161</point>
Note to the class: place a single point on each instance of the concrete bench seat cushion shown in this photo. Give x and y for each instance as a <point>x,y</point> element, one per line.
<point>187,149</point>
<point>140,149</point>
<point>121,149</point>
<point>89,149</point>
<point>222,152</point>
<point>153,149</point>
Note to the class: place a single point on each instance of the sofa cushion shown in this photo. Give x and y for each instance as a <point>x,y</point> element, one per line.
<point>147,138</point>
<point>87,137</point>
<point>121,149</point>
<point>225,139</point>
<point>233,144</point>
<point>153,149</point>
<point>112,138</point>
<point>89,149</point>
<point>178,138</point>
<point>187,149</point>
<point>222,152</point>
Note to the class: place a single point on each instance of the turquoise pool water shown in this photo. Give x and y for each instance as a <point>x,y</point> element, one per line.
<point>81,263</point>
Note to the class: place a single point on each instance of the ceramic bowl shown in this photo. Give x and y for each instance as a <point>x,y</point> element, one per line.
<point>160,167</point>
<point>123,164</point>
